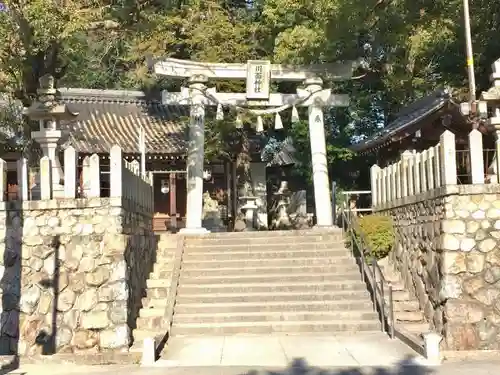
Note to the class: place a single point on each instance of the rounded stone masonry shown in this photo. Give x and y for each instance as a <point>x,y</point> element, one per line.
<point>448,253</point>
<point>74,263</point>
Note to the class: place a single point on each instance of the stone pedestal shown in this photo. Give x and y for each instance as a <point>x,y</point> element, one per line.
<point>48,141</point>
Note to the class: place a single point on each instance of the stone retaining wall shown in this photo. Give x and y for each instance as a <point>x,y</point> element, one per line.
<point>92,294</point>
<point>448,252</point>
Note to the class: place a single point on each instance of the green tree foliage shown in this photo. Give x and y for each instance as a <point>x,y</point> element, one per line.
<point>412,46</point>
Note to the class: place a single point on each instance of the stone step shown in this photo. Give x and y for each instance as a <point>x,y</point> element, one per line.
<point>164,261</point>
<point>189,329</point>
<point>163,266</point>
<point>406,306</point>
<point>273,306</point>
<point>260,254</point>
<point>151,312</point>
<point>207,271</point>
<point>400,295</point>
<point>338,295</point>
<point>140,335</point>
<point>278,287</point>
<point>157,293</point>
<point>151,323</point>
<point>416,328</point>
<point>160,274</point>
<point>268,234</point>
<point>249,241</point>
<point>278,263</point>
<point>409,316</point>
<point>274,317</point>
<point>158,283</point>
<point>271,278</point>
<point>395,287</point>
<point>155,303</point>
<point>268,246</point>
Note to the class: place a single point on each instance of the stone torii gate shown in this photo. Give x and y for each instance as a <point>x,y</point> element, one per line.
<point>258,75</point>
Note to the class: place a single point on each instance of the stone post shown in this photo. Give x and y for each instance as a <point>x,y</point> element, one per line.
<point>424,159</point>
<point>411,166</point>
<point>46,178</point>
<point>374,176</point>
<point>476,156</point>
<point>196,153</point>
<point>448,158</point>
<point>22,179</point>
<point>399,178</point>
<point>405,157</point>
<point>324,217</point>
<point>392,182</point>
<point>384,185</point>
<point>70,172</point>
<point>116,167</point>
<point>94,177</point>
<point>438,182</point>
<point>430,168</point>
<point>417,187</point>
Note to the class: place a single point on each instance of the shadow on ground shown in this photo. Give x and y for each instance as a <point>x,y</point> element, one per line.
<point>299,366</point>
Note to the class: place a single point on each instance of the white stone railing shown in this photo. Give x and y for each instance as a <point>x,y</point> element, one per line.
<point>419,172</point>
<point>125,180</point>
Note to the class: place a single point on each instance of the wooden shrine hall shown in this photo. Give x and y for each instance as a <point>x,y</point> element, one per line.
<point>108,117</point>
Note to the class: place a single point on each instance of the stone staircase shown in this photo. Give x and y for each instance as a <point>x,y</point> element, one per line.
<point>267,282</point>
<point>410,319</point>
<point>151,321</point>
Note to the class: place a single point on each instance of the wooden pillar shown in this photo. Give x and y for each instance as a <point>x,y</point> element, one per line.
<point>173,200</point>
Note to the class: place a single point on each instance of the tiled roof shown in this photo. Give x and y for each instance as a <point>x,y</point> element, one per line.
<point>108,117</point>
<point>408,116</point>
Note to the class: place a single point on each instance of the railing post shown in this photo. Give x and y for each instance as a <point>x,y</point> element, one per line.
<point>382,298</point>
<point>391,313</point>
<point>374,286</point>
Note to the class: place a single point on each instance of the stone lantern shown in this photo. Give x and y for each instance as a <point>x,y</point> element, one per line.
<point>49,113</point>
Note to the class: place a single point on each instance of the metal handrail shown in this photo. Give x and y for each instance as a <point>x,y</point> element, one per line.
<point>370,273</point>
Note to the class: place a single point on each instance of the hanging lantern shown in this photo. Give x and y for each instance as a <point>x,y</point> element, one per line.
<point>165,188</point>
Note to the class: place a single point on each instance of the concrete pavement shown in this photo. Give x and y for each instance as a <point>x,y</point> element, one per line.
<point>357,354</point>
<point>475,367</point>
<point>357,349</point>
